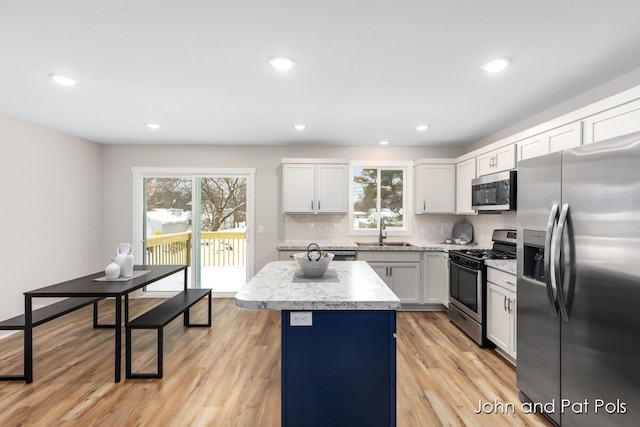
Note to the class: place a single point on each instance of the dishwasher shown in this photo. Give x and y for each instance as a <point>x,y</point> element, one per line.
<point>343,255</point>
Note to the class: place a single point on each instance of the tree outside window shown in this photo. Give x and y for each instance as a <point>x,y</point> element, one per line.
<point>378,193</point>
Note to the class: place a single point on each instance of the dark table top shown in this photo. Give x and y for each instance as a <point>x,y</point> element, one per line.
<point>86,287</point>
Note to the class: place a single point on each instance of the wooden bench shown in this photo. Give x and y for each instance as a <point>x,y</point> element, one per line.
<point>158,317</point>
<point>47,313</point>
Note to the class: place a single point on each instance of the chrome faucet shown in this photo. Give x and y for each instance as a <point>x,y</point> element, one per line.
<point>383,232</point>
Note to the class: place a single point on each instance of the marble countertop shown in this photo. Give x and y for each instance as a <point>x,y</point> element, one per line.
<point>348,245</point>
<point>506,265</point>
<point>358,288</point>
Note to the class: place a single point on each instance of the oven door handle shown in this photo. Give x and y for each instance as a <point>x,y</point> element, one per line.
<point>471,270</point>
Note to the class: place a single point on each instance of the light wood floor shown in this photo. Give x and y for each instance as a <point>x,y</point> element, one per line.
<point>229,375</point>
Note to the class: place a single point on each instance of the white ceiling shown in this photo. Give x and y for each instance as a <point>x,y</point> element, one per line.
<point>366,70</point>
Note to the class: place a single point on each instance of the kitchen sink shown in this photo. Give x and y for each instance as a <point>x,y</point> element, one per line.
<point>397,244</point>
<point>388,244</point>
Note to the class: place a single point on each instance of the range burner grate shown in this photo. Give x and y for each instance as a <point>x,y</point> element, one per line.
<point>487,254</point>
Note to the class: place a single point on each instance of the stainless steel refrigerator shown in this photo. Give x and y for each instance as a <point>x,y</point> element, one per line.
<point>578,314</point>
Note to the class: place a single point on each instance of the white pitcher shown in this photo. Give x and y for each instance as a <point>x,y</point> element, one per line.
<point>124,258</point>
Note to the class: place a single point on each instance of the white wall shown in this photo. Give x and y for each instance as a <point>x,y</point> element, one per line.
<point>118,190</point>
<point>51,211</point>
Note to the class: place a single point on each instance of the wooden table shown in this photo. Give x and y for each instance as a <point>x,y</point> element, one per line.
<point>87,287</point>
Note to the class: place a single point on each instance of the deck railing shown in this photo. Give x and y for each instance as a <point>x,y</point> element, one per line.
<point>222,248</point>
<point>217,248</point>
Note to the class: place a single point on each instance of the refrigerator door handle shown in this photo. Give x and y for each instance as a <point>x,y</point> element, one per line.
<point>559,274</point>
<point>551,293</point>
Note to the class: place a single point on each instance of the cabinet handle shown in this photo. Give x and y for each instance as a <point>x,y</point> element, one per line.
<point>312,205</point>
<point>510,305</point>
<point>386,271</point>
<point>504,304</point>
<point>318,205</point>
<point>508,282</point>
<point>424,205</point>
<point>390,271</point>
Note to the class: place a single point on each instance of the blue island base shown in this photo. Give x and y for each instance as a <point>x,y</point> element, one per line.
<point>340,370</point>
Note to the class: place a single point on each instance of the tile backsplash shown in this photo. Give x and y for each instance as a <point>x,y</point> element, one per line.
<point>316,228</point>
<point>426,228</point>
<point>483,225</point>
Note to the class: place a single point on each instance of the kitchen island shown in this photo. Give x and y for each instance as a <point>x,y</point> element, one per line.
<point>338,342</point>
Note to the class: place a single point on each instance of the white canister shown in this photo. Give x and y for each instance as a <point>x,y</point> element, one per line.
<point>124,259</point>
<point>128,265</point>
<point>113,270</point>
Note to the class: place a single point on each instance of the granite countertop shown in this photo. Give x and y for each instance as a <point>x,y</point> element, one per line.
<point>506,265</point>
<point>347,245</point>
<point>358,287</point>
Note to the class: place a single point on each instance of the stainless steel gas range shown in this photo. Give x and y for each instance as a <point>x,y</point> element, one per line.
<point>468,283</point>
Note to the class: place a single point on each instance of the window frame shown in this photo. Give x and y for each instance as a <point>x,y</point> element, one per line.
<point>407,199</point>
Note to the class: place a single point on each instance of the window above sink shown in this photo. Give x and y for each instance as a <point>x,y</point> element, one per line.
<point>380,190</point>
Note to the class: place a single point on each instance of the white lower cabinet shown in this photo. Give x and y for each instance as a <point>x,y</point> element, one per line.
<point>434,290</point>
<point>501,311</point>
<point>402,277</point>
<point>400,270</point>
<point>419,279</point>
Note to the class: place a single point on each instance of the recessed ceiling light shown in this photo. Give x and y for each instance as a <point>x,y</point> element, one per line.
<point>63,80</point>
<point>300,127</point>
<point>495,66</point>
<point>153,126</point>
<point>422,128</point>
<point>282,63</point>
<point>385,142</point>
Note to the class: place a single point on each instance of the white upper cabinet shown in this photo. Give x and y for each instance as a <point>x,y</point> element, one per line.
<point>498,160</point>
<point>561,138</point>
<point>614,122</point>
<point>435,188</point>
<point>531,147</point>
<point>314,188</point>
<point>465,173</point>
<point>298,189</point>
<point>332,185</point>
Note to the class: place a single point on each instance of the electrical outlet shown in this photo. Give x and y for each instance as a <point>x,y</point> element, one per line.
<point>426,229</point>
<point>301,318</point>
<point>261,229</point>
<point>443,229</point>
<point>484,231</point>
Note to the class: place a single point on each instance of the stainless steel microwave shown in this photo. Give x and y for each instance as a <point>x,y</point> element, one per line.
<point>495,192</point>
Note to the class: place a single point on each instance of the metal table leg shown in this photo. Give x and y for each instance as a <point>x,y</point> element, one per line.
<point>28,340</point>
<point>118,331</point>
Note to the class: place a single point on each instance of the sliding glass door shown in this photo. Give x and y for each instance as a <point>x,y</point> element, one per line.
<point>201,220</point>
<point>221,230</point>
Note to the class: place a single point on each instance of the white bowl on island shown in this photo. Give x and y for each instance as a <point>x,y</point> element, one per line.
<point>313,264</point>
